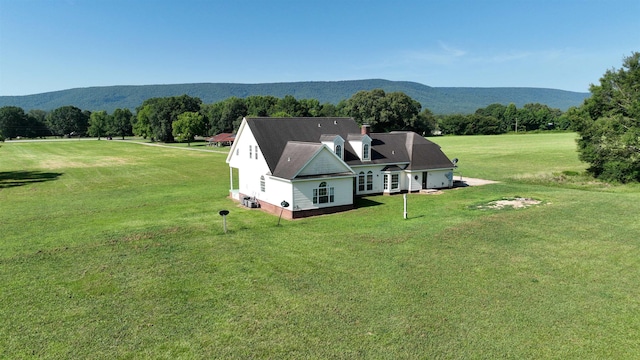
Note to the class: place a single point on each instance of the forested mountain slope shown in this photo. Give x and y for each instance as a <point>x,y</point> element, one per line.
<point>440,100</point>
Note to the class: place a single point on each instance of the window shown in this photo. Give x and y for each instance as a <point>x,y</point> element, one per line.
<point>386,182</point>
<point>262,187</point>
<point>361,181</point>
<point>369,181</point>
<point>394,181</point>
<point>256,152</point>
<point>365,152</point>
<point>339,151</point>
<point>250,151</point>
<point>323,195</point>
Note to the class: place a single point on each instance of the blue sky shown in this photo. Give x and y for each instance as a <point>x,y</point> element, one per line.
<point>60,44</point>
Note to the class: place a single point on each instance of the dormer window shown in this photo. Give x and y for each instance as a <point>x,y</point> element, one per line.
<point>335,143</point>
<point>361,144</point>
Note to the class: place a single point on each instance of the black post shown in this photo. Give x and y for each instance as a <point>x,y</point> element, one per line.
<point>284,204</point>
<point>224,214</point>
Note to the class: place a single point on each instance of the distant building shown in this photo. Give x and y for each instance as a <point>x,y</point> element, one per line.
<point>222,139</point>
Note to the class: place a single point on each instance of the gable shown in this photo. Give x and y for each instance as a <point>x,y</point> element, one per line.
<point>324,162</point>
<point>300,159</point>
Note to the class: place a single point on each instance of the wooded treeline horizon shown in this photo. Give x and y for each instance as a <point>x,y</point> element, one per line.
<point>608,122</point>
<point>383,111</point>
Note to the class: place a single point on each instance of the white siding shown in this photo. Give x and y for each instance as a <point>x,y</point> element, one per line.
<point>303,193</point>
<point>413,184</point>
<point>249,168</point>
<point>324,163</point>
<point>439,179</point>
<point>278,190</point>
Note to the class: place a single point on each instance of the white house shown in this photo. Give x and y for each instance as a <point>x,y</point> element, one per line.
<point>317,165</point>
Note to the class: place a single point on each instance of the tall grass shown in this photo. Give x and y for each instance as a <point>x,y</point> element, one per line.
<point>116,250</point>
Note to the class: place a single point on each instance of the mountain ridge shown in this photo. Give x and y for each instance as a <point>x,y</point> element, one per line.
<point>440,100</point>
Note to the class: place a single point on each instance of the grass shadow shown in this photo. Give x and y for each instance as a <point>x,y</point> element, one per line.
<point>10,179</point>
<point>361,202</point>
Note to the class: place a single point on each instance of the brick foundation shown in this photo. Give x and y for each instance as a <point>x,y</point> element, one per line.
<point>289,215</point>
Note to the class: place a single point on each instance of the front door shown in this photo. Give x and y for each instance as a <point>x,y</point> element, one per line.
<point>425,175</point>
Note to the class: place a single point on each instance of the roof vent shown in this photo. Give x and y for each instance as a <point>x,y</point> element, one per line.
<point>288,159</point>
<point>335,122</point>
<point>393,152</point>
<point>319,125</point>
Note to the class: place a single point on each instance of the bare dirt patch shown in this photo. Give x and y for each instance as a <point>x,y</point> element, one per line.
<point>508,203</point>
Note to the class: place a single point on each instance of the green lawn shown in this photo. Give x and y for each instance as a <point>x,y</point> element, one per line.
<point>116,250</point>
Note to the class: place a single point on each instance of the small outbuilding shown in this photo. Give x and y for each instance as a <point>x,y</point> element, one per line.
<point>222,139</point>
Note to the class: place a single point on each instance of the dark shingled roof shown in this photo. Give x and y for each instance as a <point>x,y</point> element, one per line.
<point>272,134</point>
<point>424,154</point>
<point>295,155</point>
<point>285,144</point>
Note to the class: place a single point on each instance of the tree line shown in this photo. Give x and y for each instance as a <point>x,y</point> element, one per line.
<point>608,122</point>
<point>159,118</point>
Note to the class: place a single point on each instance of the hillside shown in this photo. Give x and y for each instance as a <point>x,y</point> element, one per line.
<point>440,100</point>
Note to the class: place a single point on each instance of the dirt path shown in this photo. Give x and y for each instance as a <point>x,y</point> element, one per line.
<point>476,182</point>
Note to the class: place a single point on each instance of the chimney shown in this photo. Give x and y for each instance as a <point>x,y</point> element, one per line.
<point>365,130</point>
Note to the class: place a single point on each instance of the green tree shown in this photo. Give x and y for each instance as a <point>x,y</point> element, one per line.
<point>68,120</point>
<point>290,106</point>
<point>482,125</point>
<point>162,112</point>
<point>261,105</point>
<point>188,125</point>
<point>511,117</point>
<point>98,123</point>
<point>610,128</point>
<point>121,123</point>
<point>310,108</point>
<point>233,110</point>
<point>37,124</point>
<point>497,111</point>
<point>570,118</point>
<point>142,122</point>
<point>366,107</point>
<point>383,112</point>
<point>455,124</point>
<point>12,121</point>
<point>425,123</point>
<point>328,110</point>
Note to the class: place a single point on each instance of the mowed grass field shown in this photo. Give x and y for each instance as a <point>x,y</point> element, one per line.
<point>116,250</point>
